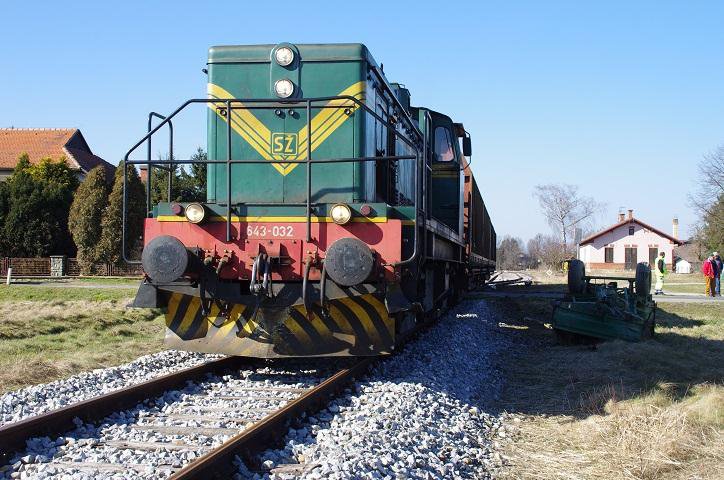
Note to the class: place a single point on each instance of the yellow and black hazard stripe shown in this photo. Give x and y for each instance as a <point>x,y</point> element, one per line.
<point>185,318</point>
<point>353,325</point>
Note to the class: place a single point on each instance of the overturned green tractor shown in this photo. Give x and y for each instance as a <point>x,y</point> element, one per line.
<point>596,307</point>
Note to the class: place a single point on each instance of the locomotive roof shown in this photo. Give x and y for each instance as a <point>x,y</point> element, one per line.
<point>308,51</point>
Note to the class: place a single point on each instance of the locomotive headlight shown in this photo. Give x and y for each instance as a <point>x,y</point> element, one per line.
<point>195,212</point>
<point>341,214</point>
<point>284,56</point>
<point>284,88</point>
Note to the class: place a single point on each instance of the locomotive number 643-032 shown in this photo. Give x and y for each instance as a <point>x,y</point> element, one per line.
<point>260,230</point>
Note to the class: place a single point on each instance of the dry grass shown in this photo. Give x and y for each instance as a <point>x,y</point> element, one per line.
<point>46,339</point>
<point>618,410</point>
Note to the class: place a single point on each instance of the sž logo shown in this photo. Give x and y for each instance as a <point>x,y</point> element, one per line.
<point>284,143</point>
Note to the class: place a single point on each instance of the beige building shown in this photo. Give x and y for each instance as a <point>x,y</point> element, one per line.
<point>626,243</point>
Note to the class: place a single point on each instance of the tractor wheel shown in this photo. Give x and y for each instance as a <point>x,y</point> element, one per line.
<point>576,274</point>
<point>643,279</point>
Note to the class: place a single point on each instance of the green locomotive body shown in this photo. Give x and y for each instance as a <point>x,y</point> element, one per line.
<point>337,214</point>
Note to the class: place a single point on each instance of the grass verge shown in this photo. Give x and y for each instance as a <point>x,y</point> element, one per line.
<point>650,410</point>
<point>51,333</point>
<point>15,293</point>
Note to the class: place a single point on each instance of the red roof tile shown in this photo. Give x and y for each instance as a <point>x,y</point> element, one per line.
<point>41,143</point>
<point>591,238</point>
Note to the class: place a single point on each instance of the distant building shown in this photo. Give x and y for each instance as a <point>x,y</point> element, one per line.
<point>688,257</point>
<point>627,242</point>
<point>41,143</point>
<point>682,266</point>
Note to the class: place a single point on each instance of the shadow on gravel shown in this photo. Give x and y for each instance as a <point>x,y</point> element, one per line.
<point>543,377</point>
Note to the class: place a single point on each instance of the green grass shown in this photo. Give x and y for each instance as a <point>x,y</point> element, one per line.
<point>17,292</point>
<point>47,333</point>
<point>653,409</point>
<point>108,281</point>
<point>679,288</point>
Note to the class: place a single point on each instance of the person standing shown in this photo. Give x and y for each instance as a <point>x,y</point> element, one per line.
<point>660,271</point>
<point>708,269</point>
<point>717,278</point>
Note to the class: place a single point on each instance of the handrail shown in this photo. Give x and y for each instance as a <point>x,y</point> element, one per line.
<point>151,115</point>
<point>270,103</point>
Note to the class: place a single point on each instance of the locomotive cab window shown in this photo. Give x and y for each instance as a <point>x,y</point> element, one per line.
<point>443,145</point>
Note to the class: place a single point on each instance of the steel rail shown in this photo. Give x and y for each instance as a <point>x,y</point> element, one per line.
<point>219,463</point>
<point>14,435</point>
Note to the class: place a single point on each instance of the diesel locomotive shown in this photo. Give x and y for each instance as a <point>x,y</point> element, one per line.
<point>337,215</point>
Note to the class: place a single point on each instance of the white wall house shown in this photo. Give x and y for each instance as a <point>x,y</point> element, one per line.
<point>682,266</point>
<point>626,243</point>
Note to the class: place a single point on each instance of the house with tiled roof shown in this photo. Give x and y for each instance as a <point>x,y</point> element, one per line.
<point>40,143</point>
<point>626,243</point>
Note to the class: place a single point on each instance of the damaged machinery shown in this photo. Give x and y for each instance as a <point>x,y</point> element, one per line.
<point>606,307</point>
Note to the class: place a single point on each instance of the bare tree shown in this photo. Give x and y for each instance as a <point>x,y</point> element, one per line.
<point>535,250</point>
<point>565,209</point>
<point>509,253</point>
<point>710,183</point>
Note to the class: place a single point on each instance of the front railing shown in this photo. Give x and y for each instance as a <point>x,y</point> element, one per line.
<point>417,141</point>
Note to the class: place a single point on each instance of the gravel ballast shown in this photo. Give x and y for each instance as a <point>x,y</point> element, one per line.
<point>419,414</point>
<point>30,401</point>
<point>422,413</point>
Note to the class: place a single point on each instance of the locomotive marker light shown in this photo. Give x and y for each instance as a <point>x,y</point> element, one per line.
<point>284,56</point>
<point>341,214</point>
<point>284,88</point>
<point>165,259</point>
<point>195,213</point>
<point>349,261</point>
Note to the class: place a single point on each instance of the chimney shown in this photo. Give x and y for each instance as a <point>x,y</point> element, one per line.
<point>675,228</point>
<point>630,214</point>
<point>621,217</point>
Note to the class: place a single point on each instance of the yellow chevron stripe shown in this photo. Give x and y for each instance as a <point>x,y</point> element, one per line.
<point>379,306</point>
<point>173,304</point>
<point>189,315</point>
<point>256,134</point>
<point>302,336</point>
<point>363,318</point>
<point>340,319</point>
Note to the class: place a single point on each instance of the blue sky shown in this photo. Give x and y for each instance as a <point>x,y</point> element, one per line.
<point>620,98</point>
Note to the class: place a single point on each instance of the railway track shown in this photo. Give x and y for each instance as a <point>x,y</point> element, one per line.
<point>190,424</point>
<point>502,278</point>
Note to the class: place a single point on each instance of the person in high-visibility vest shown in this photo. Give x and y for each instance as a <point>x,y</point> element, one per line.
<point>660,271</point>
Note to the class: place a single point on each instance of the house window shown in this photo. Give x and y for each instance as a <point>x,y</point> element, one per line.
<point>608,251</point>
<point>631,230</point>
<point>653,253</point>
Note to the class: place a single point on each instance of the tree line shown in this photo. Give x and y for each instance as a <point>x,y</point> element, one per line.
<point>45,210</point>
<point>566,210</point>
<point>708,201</point>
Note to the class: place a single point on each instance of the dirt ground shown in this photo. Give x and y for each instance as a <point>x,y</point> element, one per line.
<point>615,410</point>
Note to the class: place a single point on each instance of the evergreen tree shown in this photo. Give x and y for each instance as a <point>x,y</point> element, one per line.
<point>86,214</point>
<point>37,207</point>
<point>188,182</point>
<point>109,248</point>
<point>192,183</point>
